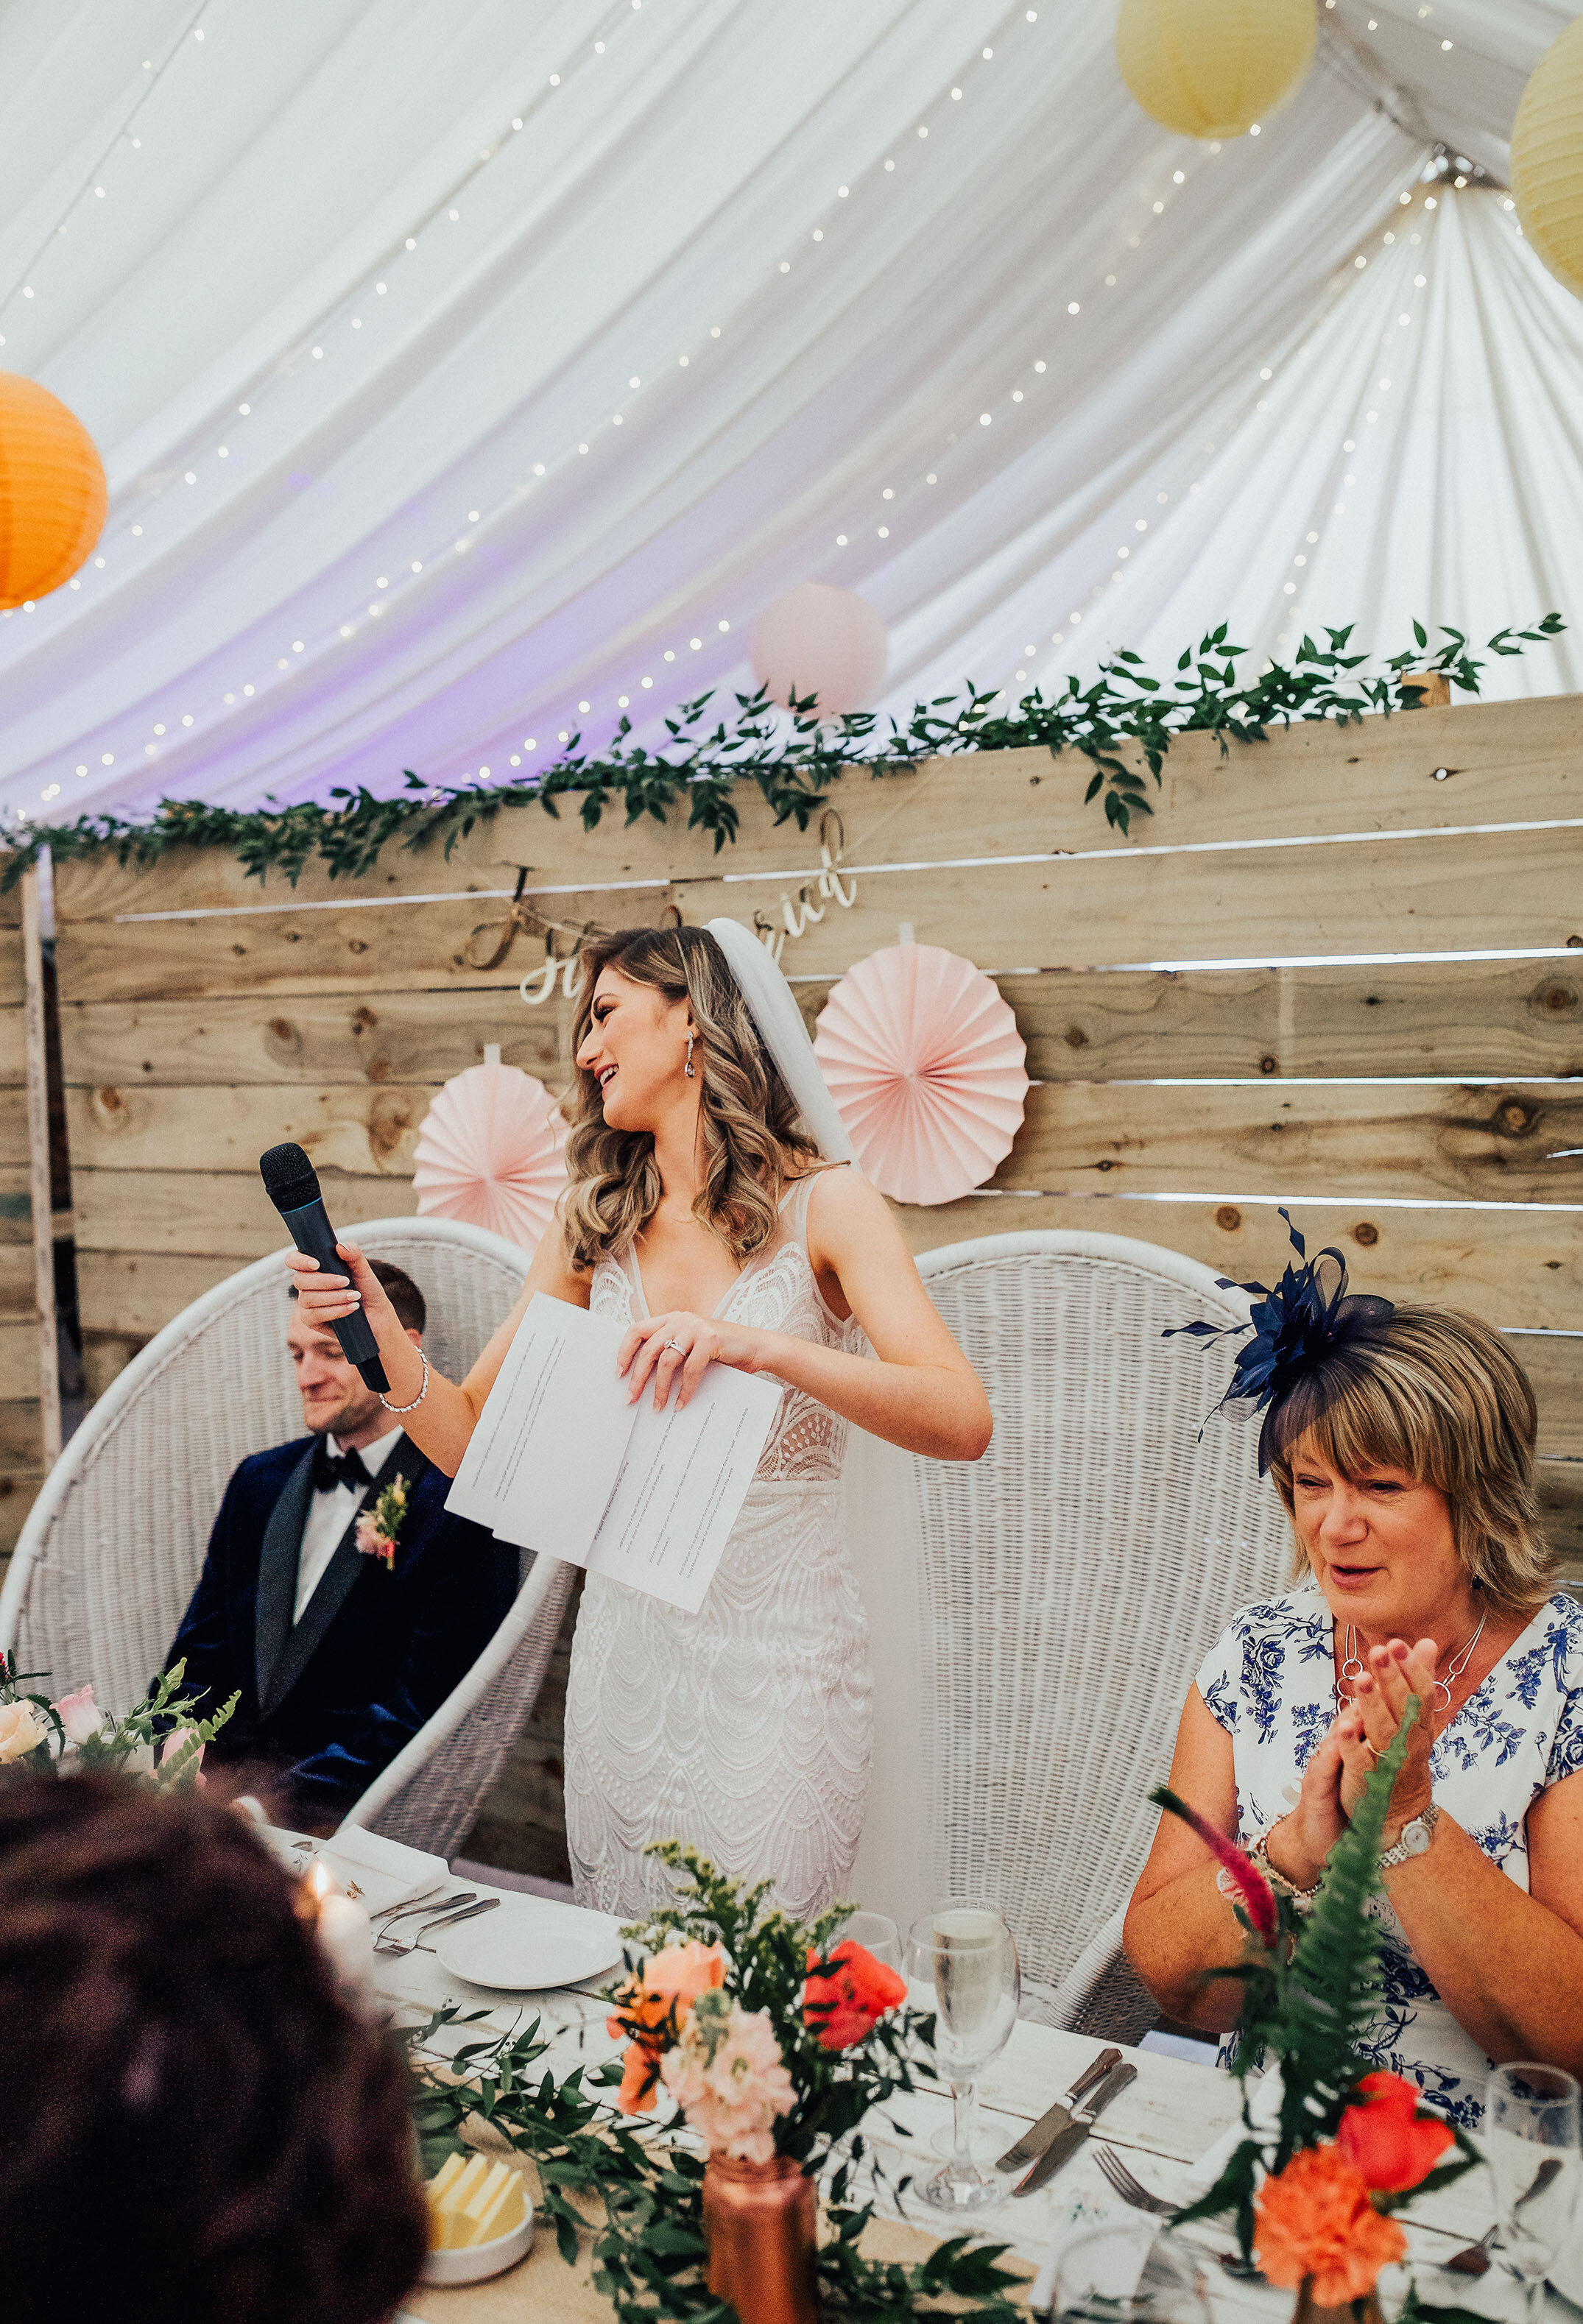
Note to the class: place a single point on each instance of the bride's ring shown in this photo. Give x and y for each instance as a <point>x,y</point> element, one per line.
<point>1369,1747</point>
<point>677,1345</point>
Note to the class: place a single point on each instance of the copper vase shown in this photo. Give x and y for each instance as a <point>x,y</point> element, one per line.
<point>759,2220</point>
<point>1353,2311</point>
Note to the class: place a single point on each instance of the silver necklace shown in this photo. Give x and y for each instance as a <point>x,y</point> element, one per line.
<point>1352,1668</point>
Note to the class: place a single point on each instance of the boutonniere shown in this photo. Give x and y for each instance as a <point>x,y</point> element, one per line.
<point>379,1528</point>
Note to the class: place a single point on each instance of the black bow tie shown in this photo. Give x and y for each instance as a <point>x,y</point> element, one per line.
<point>333,1469</point>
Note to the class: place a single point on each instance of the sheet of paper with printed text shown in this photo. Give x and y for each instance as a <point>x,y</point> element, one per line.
<point>561,1462</point>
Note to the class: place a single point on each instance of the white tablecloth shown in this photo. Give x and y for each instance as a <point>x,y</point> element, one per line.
<point>1167,2119</point>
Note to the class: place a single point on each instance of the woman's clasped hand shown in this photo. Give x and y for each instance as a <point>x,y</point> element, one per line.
<point>1334,1779</point>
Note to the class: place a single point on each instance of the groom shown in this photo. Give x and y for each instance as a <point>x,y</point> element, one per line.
<point>338,1653</point>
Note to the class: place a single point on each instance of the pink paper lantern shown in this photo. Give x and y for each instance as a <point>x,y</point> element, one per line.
<point>490,1153</point>
<point>926,1065</point>
<point>824,641</point>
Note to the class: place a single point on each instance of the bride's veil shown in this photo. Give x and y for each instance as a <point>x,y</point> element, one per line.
<point>781,1031</point>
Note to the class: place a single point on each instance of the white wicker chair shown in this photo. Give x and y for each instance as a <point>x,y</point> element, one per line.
<point>1039,1615</point>
<point>112,1546</point>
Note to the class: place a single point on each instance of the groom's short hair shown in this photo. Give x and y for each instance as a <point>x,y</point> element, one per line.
<point>403,1293</point>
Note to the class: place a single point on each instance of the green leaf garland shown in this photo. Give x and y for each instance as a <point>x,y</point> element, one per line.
<point>708,757</point>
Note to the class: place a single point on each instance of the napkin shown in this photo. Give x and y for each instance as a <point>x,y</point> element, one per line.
<point>383,1871</point>
<point>1263,2103</point>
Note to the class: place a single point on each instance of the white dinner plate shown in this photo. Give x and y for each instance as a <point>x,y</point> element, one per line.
<point>529,1945</point>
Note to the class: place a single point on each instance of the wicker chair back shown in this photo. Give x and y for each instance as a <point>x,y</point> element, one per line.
<point>1070,1582</point>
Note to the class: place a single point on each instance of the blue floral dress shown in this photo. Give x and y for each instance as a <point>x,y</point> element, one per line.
<point>1269,1681</point>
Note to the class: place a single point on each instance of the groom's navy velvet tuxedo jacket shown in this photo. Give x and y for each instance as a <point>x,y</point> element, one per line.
<point>330,1702</point>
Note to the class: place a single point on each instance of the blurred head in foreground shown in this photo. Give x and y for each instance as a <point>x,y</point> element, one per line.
<point>193,2124</point>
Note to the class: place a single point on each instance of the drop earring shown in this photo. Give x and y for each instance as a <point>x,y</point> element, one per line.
<point>686,1068</point>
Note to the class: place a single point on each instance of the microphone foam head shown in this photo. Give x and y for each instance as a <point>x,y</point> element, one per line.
<point>290,1179</point>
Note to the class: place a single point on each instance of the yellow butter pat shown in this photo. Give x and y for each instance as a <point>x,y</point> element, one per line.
<point>446,2197</point>
<point>504,2212</point>
<point>449,2172</point>
<point>481,2203</point>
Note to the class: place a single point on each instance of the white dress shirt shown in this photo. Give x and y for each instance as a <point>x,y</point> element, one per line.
<point>328,1516</point>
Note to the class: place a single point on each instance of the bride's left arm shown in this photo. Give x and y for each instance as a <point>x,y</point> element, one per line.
<point>922,1394</point>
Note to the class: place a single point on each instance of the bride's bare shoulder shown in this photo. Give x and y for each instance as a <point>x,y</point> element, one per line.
<point>843,1204</point>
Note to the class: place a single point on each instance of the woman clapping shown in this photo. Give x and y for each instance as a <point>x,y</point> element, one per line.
<point>1401,1443</point>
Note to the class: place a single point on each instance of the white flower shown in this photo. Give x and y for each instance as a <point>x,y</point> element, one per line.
<point>21,1730</point>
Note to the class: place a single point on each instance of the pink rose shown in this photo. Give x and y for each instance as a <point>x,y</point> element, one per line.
<point>79,1715</point>
<point>21,1730</point>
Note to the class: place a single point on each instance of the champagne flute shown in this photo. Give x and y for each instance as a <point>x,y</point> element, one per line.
<point>876,1933</point>
<point>1532,2144</point>
<point>962,1965</point>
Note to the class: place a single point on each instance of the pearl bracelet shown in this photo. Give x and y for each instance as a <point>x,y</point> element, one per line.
<point>418,1399</point>
<point>1259,1857</point>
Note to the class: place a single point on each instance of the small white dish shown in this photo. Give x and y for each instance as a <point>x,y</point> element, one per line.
<point>477,2261</point>
<point>530,1946</point>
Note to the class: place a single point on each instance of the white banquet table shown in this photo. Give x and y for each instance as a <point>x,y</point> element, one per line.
<point>1168,2119</point>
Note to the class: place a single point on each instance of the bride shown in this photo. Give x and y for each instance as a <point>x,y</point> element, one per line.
<point>706,1212</point>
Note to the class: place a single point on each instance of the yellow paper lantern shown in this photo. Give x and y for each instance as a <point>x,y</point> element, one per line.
<point>52,492</point>
<point>1212,68</point>
<point>1547,159</point>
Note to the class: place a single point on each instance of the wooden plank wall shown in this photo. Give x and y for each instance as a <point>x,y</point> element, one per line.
<point>21,1450</point>
<point>1420,1110</point>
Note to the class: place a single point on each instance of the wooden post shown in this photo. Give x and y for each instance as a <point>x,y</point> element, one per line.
<point>38,1144</point>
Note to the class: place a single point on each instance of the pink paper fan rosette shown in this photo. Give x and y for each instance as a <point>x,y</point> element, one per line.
<point>490,1153</point>
<point>926,1065</point>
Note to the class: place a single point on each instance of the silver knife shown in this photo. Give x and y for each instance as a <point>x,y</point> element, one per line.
<point>1065,2142</point>
<point>1038,2136</point>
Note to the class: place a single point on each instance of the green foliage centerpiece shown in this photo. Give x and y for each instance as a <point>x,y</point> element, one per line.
<point>774,2041</point>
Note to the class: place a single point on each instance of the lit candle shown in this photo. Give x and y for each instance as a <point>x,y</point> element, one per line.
<point>344,1932</point>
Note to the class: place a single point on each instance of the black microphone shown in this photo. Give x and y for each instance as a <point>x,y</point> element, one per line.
<point>291,1184</point>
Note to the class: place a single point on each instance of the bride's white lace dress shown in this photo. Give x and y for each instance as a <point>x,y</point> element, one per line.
<point>744,1727</point>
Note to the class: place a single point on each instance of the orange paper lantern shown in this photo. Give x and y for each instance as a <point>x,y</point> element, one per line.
<point>52,492</point>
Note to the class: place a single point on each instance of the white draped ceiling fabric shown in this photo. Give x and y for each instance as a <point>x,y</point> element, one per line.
<point>462,374</point>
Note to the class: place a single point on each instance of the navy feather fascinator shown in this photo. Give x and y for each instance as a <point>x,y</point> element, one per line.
<point>1310,1336</point>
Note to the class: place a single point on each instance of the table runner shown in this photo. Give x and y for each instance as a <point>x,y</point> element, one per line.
<point>544,2290</point>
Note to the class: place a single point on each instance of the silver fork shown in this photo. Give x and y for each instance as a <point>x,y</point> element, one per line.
<point>1132,2190</point>
<point>469,1913</point>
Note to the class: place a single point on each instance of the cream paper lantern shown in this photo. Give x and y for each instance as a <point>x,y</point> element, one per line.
<point>1213,67</point>
<point>1547,159</point>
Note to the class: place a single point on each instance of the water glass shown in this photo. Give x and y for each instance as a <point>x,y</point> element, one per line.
<point>876,1933</point>
<point>1532,2145</point>
<point>962,1967</point>
<point>1128,2273</point>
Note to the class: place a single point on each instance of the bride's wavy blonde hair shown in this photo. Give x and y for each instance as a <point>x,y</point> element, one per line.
<point>753,1138</point>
